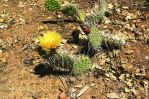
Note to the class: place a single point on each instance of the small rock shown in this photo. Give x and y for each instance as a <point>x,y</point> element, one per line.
<point>59,16</point>
<point>125,7</point>
<point>112,95</point>
<point>2,26</point>
<point>78,85</point>
<point>147,57</point>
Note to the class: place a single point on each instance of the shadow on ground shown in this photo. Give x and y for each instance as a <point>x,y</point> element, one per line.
<point>45,69</point>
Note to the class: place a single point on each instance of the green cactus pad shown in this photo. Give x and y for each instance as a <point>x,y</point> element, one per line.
<point>82,65</point>
<point>53,5</point>
<point>70,10</point>
<point>95,38</point>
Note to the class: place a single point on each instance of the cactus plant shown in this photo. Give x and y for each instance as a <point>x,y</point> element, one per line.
<point>69,10</point>
<point>95,38</point>
<point>98,13</point>
<point>82,64</point>
<point>53,5</point>
<point>50,40</point>
<point>113,41</point>
<point>61,60</point>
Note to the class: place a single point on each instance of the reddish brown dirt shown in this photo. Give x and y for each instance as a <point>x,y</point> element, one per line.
<point>25,24</point>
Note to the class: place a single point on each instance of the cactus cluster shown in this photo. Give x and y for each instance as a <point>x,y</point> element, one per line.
<point>95,38</point>
<point>53,5</point>
<point>69,10</point>
<point>82,65</point>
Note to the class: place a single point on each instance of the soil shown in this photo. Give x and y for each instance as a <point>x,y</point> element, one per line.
<point>24,75</point>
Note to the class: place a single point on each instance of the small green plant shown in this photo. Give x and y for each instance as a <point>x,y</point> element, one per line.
<point>82,65</point>
<point>69,10</point>
<point>61,60</point>
<point>53,5</point>
<point>95,38</point>
<point>113,42</point>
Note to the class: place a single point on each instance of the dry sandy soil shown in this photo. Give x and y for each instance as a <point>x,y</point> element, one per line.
<point>23,75</point>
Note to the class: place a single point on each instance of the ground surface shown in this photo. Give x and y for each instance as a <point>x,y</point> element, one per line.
<point>21,76</point>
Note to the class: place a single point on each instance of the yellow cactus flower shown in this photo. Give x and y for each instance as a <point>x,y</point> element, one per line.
<point>50,40</point>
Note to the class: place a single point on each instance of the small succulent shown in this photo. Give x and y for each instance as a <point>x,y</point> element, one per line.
<point>95,38</point>
<point>113,42</point>
<point>50,40</point>
<point>82,65</point>
<point>61,60</point>
<point>53,5</point>
<point>69,10</point>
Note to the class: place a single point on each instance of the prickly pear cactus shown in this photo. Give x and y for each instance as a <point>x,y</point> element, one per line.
<point>95,38</point>
<point>82,64</point>
<point>70,10</point>
<point>61,60</point>
<point>53,5</point>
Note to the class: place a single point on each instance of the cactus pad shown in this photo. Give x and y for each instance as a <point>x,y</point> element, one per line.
<point>95,38</point>
<point>82,64</point>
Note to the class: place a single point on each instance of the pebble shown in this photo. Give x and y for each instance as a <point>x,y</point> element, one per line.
<point>59,16</point>
<point>146,57</point>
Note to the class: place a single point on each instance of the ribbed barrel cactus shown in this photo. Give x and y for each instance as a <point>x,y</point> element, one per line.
<point>53,5</point>
<point>82,65</point>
